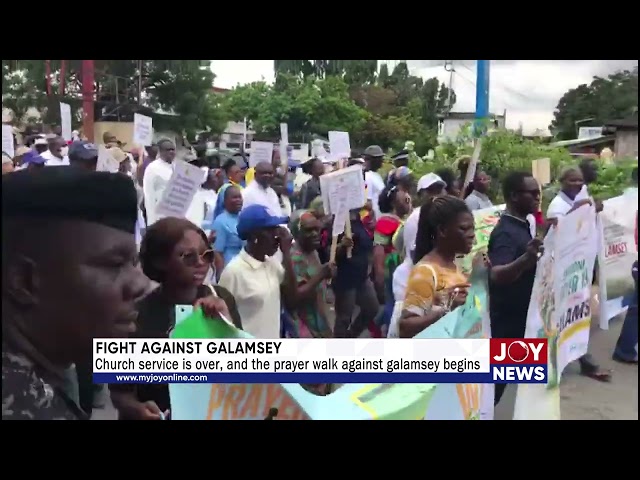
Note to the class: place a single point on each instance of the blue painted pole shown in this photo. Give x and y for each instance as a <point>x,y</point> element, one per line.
<point>482,94</point>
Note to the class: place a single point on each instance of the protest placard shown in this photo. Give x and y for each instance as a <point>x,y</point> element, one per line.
<point>619,250</point>
<point>7,140</point>
<point>541,170</point>
<point>485,221</point>
<point>339,145</point>
<point>142,130</point>
<point>347,184</point>
<point>560,308</point>
<point>193,401</point>
<point>65,121</point>
<point>284,145</point>
<point>180,190</point>
<point>260,152</point>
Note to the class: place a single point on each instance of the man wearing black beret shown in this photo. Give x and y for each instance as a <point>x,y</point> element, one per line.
<point>69,274</point>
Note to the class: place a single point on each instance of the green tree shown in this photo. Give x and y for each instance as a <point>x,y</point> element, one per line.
<point>308,105</point>
<point>610,98</point>
<point>354,72</point>
<point>180,86</point>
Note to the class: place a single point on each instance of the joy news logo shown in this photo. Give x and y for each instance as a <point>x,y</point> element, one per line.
<point>518,360</point>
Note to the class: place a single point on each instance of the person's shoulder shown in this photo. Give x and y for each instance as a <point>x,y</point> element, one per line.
<point>500,234</point>
<point>26,396</point>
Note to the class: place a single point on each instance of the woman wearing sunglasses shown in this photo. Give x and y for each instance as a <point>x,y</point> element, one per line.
<point>176,254</point>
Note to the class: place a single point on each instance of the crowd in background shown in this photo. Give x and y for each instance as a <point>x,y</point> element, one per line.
<point>254,246</point>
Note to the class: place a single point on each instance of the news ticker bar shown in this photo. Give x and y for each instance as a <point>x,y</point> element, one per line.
<point>520,374</point>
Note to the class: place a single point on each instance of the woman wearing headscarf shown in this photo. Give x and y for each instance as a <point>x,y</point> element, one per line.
<point>395,205</point>
<point>309,318</point>
<point>228,244</point>
<point>175,253</point>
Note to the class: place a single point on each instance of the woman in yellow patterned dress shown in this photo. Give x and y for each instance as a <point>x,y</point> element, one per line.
<point>436,286</point>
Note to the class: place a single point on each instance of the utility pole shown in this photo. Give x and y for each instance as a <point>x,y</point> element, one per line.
<point>88,75</point>
<point>482,93</point>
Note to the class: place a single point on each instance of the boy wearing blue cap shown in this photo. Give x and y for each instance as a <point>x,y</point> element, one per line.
<point>254,277</point>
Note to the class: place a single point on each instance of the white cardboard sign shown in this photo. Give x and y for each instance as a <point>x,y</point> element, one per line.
<point>142,130</point>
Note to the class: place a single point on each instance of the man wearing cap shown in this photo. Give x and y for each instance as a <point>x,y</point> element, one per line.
<point>373,156</point>
<point>56,155</point>
<point>40,144</point>
<point>254,277</point>
<point>400,159</point>
<point>83,155</point>
<point>56,300</point>
<point>156,177</point>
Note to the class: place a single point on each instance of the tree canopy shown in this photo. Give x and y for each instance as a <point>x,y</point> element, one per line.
<point>182,87</point>
<point>611,98</point>
<point>312,96</point>
<point>315,96</point>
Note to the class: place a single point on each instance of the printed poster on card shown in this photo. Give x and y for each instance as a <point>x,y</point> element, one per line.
<point>180,190</point>
<point>339,145</point>
<point>342,187</point>
<point>260,152</point>
<point>618,252</point>
<point>142,130</point>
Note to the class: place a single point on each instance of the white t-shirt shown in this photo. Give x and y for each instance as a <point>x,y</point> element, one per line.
<point>401,274</point>
<point>562,204</point>
<point>375,185</point>
<point>256,194</point>
<point>255,286</point>
<point>156,177</point>
<point>53,161</point>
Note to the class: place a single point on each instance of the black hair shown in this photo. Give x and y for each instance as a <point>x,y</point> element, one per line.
<point>159,241</point>
<point>512,183</point>
<point>386,198</point>
<point>308,165</point>
<point>447,175</point>
<point>437,212</point>
<point>149,148</point>
<point>163,142</point>
<point>228,165</point>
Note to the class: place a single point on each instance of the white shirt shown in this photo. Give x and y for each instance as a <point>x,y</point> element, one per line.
<point>204,202</point>
<point>53,161</point>
<point>156,177</point>
<point>401,274</point>
<point>256,288</point>
<point>256,194</point>
<point>477,201</point>
<point>560,206</point>
<point>375,185</point>
<point>196,211</point>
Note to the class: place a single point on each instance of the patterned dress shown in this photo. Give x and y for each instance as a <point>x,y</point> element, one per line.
<point>308,320</point>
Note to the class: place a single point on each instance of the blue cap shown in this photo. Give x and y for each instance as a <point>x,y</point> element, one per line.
<point>82,150</point>
<point>256,217</point>
<point>33,157</point>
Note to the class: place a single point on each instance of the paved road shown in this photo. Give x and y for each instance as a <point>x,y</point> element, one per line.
<point>581,398</point>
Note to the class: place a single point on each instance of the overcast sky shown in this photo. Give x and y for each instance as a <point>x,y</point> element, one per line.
<point>528,89</point>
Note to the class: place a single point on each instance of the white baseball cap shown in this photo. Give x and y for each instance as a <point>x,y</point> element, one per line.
<point>429,180</point>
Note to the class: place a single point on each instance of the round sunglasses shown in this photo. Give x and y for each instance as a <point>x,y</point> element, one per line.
<point>190,259</point>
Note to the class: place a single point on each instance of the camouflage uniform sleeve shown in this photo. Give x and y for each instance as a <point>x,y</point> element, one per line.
<point>25,396</point>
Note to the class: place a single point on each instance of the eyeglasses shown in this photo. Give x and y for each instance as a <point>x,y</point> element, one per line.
<point>190,259</point>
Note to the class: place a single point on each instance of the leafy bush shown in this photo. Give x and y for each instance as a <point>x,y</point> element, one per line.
<point>504,151</point>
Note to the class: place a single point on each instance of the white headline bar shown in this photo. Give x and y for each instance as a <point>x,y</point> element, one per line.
<point>291,355</point>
